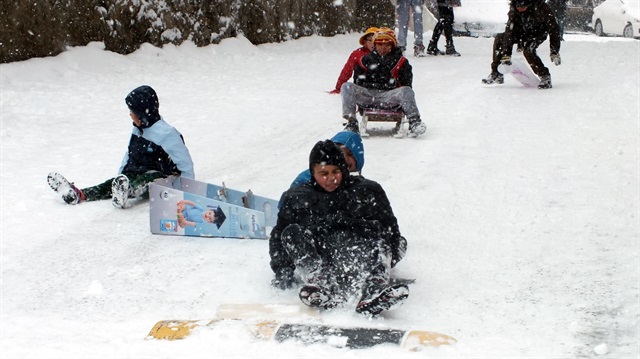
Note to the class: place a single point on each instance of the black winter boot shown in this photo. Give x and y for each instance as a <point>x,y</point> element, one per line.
<point>377,298</point>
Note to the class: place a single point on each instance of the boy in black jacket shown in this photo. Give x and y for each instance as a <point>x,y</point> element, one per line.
<point>382,79</point>
<point>338,236</point>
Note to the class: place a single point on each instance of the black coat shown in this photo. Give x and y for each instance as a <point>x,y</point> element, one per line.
<point>530,28</point>
<point>359,207</point>
<point>383,72</point>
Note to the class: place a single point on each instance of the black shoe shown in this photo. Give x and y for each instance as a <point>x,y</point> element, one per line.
<point>451,50</point>
<point>545,82</point>
<point>120,191</point>
<point>316,296</point>
<point>377,299</point>
<point>418,51</point>
<point>494,77</point>
<point>70,193</point>
<point>352,125</point>
<point>434,51</point>
<point>416,127</point>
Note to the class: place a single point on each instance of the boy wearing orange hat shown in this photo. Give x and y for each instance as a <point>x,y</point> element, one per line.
<point>366,40</point>
<point>382,79</point>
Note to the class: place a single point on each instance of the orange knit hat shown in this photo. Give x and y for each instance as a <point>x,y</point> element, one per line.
<point>371,30</point>
<point>385,34</point>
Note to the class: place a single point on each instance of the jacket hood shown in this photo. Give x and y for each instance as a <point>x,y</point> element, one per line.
<point>143,102</point>
<point>353,142</point>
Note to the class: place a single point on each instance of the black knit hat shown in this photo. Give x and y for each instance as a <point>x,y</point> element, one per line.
<point>328,153</point>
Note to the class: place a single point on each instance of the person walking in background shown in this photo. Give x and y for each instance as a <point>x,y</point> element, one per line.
<point>529,24</point>
<point>559,9</point>
<point>403,8</point>
<point>366,41</point>
<point>445,24</point>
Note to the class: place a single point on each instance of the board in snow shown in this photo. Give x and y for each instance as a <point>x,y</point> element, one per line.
<point>311,332</point>
<point>521,71</point>
<point>185,207</point>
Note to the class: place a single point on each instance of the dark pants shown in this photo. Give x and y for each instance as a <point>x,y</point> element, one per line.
<point>349,260</point>
<point>137,182</point>
<point>528,48</point>
<point>445,24</point>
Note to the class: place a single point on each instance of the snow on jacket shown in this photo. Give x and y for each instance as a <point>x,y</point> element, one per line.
<point>352,62</point>
<point>159,147</point>
<point>359,207</point>
<point>383,72</point>
<point>531,27</point>
<point>352,141</point>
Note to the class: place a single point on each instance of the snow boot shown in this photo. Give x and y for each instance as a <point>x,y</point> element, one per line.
<point>378,298</point>
<point>494,77</point>
<point>545,82</point>
<point>451,50</point>
<point>70,193</point>
<point>352,125</point>
<point>316,296</point>
<point>432,49</point>
<point>120,191</point>
<point>416,127</point>
<point>418,51</point>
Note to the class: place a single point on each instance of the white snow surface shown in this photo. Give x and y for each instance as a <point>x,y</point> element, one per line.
<point>520,206</point>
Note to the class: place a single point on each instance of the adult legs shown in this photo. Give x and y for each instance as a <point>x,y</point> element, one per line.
<point>402,10</point>
<point>417,22</point>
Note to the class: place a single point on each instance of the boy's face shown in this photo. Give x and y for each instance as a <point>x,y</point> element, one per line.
<point>136,120</point>
<point>383,48</point>
<point>209,216</point>
<point>368,42</point>
<point>351,159</point>
<point>328,177</point>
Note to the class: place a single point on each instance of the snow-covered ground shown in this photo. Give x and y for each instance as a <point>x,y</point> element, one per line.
<point>521,206</point>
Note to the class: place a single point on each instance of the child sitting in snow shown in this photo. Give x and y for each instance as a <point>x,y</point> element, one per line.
<point>155,150</point>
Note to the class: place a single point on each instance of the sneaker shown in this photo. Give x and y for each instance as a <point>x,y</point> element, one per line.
<point>380,298</point>
<point>494,77</point>
<point>316,296</point>
<point>352,125</point>
<point>418,51</point>
<point>434,51</point>
<point>70,193</point>
<point>120,191</point>
<point>545,82</point>
<point>416,127</point>
<point>451,50</point>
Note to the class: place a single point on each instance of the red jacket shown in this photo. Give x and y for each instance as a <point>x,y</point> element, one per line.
<point>352,62</point>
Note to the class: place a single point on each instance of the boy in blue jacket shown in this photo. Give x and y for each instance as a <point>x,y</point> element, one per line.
<point>156,150</point>
<point>351,144</point>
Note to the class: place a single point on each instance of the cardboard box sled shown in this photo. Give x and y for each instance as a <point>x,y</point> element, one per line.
<point>185,207</point>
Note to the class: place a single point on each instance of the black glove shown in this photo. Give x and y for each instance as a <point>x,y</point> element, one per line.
<point>284,278</point>
<point>398,251</point>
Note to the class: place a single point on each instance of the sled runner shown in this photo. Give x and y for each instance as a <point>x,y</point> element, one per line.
<point>383,115</point>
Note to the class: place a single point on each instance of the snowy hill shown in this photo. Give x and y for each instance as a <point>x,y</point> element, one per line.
<point>521,207</point>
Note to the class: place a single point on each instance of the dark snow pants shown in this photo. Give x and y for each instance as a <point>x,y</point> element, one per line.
<point>350,261</point>
<point>137,182</point>
<point>528,46</point>
<point>445,24</point>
